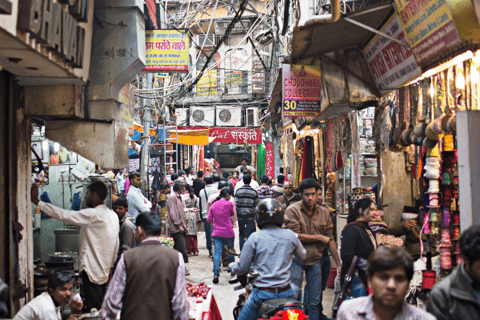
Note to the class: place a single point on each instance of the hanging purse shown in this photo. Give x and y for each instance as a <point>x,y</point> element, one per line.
<point>345,286</point>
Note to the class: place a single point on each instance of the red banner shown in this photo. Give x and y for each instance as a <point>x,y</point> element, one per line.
<point>152,12</point>
<point>270,161</point>
<point>233,135</point>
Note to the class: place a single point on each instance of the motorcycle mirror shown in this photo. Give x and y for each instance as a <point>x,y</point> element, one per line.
<point>230,250</point>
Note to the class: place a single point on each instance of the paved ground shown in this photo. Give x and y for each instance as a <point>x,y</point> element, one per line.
<point>201,269</point>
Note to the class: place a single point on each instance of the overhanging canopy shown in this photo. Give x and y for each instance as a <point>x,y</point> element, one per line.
<point>191,137</point>
<point>313,40</point>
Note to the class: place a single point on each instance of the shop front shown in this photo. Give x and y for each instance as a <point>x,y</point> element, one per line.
<point>55,102</point>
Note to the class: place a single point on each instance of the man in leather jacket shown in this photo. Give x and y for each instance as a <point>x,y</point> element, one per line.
<point>458,295</point>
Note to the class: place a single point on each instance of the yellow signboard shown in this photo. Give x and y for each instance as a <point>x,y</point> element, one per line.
<point>207,85</point>
<point>428,26</point>
<point>166,50</point>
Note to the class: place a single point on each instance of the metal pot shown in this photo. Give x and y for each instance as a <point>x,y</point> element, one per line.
<point>63,257</point>
<point>60,263</point>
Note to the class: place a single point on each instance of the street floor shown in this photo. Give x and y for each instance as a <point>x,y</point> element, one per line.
<point>201,269</point>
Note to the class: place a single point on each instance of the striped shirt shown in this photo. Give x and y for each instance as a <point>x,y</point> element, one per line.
<point>246,199</point>
<point>265,192</point>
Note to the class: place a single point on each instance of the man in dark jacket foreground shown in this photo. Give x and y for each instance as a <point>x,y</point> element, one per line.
<point>458,295</point>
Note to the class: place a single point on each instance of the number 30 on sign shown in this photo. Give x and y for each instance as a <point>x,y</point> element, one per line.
<point>290,105</point>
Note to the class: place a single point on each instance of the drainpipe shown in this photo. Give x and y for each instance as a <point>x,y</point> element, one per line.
<point>327,18</point>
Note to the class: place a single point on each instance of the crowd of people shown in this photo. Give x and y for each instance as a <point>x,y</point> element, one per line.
<point>284,236</point>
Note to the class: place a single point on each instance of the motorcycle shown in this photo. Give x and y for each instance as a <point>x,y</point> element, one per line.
<point>281,309</point>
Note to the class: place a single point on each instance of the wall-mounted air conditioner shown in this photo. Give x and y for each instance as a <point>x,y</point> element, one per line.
<point>228,116</point>
<point>209,43</point>
<point>182,116</point>
<point>252,117</point>
<point>202,116</point>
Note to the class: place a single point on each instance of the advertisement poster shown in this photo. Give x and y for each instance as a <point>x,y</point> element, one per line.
<point>207,85</point>
<point>391,64</point>
<point>166,50</point>
<point>428,26</point>
<point>270,162</point>
<point>236,82</point>
<point>234,135</point>
<point>301,90</point>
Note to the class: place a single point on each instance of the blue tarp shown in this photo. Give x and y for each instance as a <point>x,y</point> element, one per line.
<point>136,135</point>
<point>132,154</point>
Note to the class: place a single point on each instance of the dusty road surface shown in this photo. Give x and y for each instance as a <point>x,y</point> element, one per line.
<point>201,269</point>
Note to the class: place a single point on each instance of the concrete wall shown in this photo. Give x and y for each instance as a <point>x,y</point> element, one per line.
<point>397,189</point>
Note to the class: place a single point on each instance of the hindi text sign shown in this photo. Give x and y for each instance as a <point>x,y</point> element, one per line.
<point>233,135</point>
<point>166,50</point>
<point>301,90</point>
<point>391,64</point>
<point>270,161</point>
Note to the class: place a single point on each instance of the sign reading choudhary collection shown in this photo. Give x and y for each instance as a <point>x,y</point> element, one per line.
<point>233,135</point>
<point>301,90</point>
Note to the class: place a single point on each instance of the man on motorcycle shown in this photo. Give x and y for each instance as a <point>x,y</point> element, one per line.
<point>269,252</point>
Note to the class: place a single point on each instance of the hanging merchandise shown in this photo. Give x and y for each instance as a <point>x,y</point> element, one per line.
<point>307,169</point>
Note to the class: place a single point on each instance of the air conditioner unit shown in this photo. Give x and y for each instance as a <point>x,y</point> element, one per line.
<point>202,116</point>
<point>209,43</point>
<point>228,116</point>
<point>182,116</point>
<point>252,118</point>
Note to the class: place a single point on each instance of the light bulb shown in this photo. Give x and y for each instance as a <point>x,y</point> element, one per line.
<point>460,81</point>
<point>316,131</point>
<point>474,75</point>
<point>45,144</point>
<point>432,90</point>
<point>56,147</point>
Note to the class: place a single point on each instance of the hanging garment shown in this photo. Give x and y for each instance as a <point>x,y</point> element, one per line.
<point>261,161</point>
<point>156,181</point>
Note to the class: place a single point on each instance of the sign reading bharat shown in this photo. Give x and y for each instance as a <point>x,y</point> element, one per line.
<point>301,90</point>
<point>391,64</point>
<point>166,50</point>
<point>233,135</point>
<point>428,26</point>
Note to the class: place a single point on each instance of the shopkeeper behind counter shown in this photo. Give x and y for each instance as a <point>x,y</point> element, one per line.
<point>410,228</point>
<point>97,243</point>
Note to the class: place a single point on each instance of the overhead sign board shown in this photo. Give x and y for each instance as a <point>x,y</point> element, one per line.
<point>301,90</point>
<point>239,27</point>
<point>233,135</point>
<point>207,85</point>
<point>428,26</point>
<point>391,64</point>
<point>166,50</point>
<point>258,76</point>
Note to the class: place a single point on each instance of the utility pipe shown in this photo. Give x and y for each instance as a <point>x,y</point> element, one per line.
<point>327,18</point>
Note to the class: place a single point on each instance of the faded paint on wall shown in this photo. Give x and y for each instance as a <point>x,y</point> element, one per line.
<point>397,189</point>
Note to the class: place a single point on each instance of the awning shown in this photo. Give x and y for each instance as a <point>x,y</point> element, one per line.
<point>139,128</point>
<point>191,137</point>
<point>313,40</point>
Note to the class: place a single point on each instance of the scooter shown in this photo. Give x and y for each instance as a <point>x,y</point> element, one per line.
<point>284,309</point>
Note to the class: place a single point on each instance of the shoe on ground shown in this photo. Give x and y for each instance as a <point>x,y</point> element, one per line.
<point>227,269</point>
<point>215,280</point>
<point>187,273</point>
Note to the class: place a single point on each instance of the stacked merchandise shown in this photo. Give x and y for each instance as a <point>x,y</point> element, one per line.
<point>442,174</point>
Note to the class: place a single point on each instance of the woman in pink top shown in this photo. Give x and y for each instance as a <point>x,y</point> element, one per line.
<point>234,179</point>
<point>221,213</point>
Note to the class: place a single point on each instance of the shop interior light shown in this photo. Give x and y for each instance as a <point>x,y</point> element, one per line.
<point>45,144</point>
<point>460,81</point>
<point>316,131</point>
<point>475,75</point>
<point>56,147</point>
<point>302,132</point>
<point>432,90</point>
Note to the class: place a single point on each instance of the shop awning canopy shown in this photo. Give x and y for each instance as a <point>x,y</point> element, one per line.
<point>191,137</point>
<point>314,40</point>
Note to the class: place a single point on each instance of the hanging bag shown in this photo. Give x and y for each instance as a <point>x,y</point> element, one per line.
<point>345,287</point>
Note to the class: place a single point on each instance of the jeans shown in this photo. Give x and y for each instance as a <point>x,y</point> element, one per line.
<point>246,226</point>
<point>255,300</point>
<point>326,266</point>
<point>208,234</point>
<point>219,242</point>
<point>313,294</point>
<point>357,288</point>
<point>180,245</point>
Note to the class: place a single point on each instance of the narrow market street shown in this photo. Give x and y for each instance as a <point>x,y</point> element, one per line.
<point>201,269</point>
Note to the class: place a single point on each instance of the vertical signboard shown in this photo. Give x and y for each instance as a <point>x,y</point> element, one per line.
<point>301,90</point>
<point>270,161</point>
<point>391,64</point>
<point>152,12</point>
<point>258,76</point>
<point>166,50</point>
<point>428,26</point>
